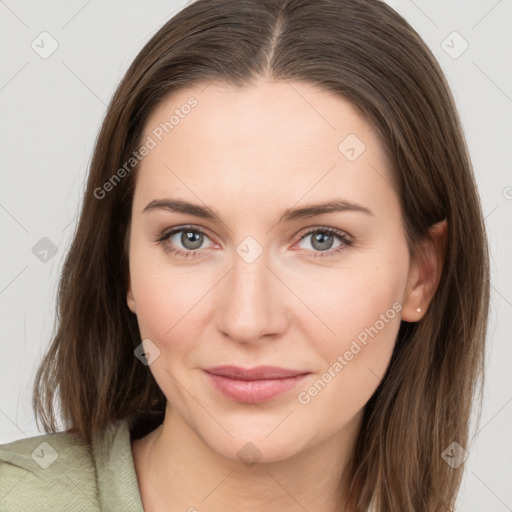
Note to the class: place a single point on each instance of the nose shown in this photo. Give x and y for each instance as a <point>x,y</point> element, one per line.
<point>252,303</point>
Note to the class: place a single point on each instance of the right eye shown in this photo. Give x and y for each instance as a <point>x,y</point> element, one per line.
<point>183,241</point>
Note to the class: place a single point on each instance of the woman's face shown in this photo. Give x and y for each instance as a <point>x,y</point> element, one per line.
<point>264,272</point>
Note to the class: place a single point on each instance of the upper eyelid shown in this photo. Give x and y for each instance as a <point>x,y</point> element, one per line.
<point>329,229</point>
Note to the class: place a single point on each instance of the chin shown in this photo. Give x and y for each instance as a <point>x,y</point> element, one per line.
<point>250,444</point>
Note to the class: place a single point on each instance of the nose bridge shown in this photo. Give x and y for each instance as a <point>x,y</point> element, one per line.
<point>251,304</point>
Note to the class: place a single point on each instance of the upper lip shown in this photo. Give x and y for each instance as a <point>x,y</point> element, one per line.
<point>257,373</point>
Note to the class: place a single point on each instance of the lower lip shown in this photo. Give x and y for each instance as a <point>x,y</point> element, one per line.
<point>253,391</point>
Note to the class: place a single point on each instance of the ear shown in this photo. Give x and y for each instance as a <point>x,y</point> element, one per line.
<point>129,295</point>
<point>425,272</point>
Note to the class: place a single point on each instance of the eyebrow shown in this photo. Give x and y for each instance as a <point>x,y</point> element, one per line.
<point>291,214</point>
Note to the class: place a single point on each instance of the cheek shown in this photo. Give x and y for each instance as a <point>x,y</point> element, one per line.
<point>355,360</point>
<point>352,298</point>
<point>354,370</point>
<point>360,308</point>
<point>166,302</point>
<point>363,309</point>
<point>171,302</point>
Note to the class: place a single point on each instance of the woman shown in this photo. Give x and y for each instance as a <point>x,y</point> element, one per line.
<point>277,293</point>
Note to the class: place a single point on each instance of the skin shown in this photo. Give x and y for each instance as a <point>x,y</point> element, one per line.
<point>249,155</point>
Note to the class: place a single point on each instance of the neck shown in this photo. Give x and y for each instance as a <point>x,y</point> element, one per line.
<point>177,470</point>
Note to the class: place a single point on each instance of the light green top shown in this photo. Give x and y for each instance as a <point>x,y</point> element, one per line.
<point>60,472</point>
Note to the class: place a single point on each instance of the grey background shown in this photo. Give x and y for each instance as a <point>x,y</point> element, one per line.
<point>51,110</point>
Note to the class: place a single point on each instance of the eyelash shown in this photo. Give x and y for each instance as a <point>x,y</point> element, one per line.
<point>167,234</point>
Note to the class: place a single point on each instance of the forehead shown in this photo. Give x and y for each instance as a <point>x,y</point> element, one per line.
<point>257,114</point>
<point>274,135</point>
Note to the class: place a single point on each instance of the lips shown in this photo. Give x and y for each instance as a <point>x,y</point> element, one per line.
<point>258,373</point>
<point>253,385</point>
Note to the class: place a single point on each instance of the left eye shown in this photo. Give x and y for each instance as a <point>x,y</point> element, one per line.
<point>323,239</point>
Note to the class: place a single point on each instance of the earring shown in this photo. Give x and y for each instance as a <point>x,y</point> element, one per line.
<point>418,310</point>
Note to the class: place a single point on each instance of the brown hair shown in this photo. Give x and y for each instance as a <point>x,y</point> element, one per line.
<point>363,51</point>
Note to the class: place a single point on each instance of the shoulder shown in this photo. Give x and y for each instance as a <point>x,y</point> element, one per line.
<point>47,472</point>
<point>61,472</point>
